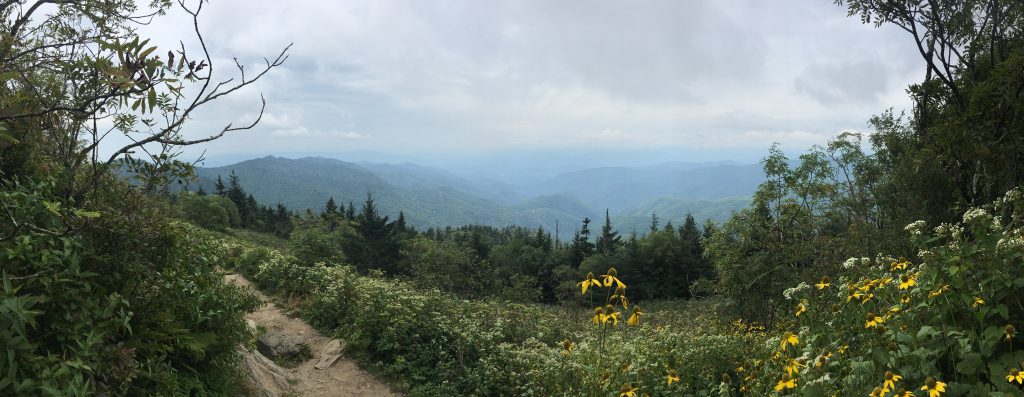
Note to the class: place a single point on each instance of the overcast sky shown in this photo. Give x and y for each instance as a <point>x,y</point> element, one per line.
<point>430,77</point>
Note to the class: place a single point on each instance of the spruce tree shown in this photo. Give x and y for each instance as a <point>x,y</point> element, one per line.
<point>609,240</point>
<point>201,191</point>
<point>654,221</point>
<point>219,187</point>
<point>330,208</point>
<point>350,212</point>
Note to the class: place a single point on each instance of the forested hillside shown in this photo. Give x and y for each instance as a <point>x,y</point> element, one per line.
<point>880,263</point>
<point>435,198</point>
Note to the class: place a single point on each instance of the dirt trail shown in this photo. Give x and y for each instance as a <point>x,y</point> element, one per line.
<point>340,378</point>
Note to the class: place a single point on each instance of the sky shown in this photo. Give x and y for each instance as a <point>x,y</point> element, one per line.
<point>716,79</point>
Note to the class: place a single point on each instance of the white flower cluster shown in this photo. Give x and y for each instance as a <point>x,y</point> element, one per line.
<point>1007,244</point>
<point>790,292</point>
<point>915,228</point>
<point>852,262</point>
<point>976,215</point>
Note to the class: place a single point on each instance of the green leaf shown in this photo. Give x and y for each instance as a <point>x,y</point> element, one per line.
<point>152,99</point>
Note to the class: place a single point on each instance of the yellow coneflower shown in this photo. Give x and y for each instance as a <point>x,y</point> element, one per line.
<point>568,346</point>
<point>824,283</point>
<point>934,387</point>
<point>599,317</point>
<point>611,315</point>
<point>787,382</point>
<point>900,264</point>
<point>977,302</point>
<point>801,307</point>
<point>890,381</point>
<point>627,390</point>
<point>590,281</point>
<point>634,319</point>
<point>877,392</point>
<point>672,377</point>
<point>907,281</point>
<point>1009,332</point>
<point>612,278</point>
<point>1015,376</point>
<point>793,366</point>
<point>873,320</point>
<point>789,338</point>
<point>823,359</point>
<point>903,393</point>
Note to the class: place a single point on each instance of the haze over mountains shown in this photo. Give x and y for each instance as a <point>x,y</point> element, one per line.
<point>529,194</point>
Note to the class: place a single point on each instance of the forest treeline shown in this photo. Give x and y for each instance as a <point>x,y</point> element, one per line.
<point>885,268</point>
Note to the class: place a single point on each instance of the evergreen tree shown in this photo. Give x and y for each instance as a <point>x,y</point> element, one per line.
<point>219,187</point>
<point>654,221</point>
<point>330,208</point>
<point>375,244</point>
<point>610,239</point>
<point>350,212</point>
<point>201,191</point>
<point>581,246</point>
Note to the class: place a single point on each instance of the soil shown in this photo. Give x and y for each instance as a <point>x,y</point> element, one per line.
<point>339,375</point>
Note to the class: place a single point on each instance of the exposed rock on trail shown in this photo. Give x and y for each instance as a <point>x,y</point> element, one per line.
<point>326,373</point>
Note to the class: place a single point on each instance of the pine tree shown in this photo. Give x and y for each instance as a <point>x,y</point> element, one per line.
<point>330,208</point>
<point>350,212</point>
<point>609,240</point>
<point>201,191</point>
<point>581,246</point>
<point>219,187</point>
<point>654,221</point>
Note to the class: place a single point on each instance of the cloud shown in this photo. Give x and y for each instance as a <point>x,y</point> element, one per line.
<point>464,75</point>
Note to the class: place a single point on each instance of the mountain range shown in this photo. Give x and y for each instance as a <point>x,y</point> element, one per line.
<point>432,197</point>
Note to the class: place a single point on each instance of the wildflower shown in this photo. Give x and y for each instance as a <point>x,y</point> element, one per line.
<point>842,349</point>
<point>903,393</point>
<point>939,291</point>
<point>890,381</point>
<point>611,315</point>
<point>787,382</point>
<point>905,300</point>
<point>824,283</point>
<point>907,281</point>
<point>793,366</point>
<point>801,308</point>
<point>568,346</point>
<point>900,264</point>
<point>620,294</point>
<point>977,302</point>
<point>634,319</point>
<point>789,339</point>
<point>873,320</point>
<point>672,377</point>
<point>612,277</point>
<point>1009,331</point>
<point>589,282</point>
<point>627,390</point>
<point>934,387</point>
<point>1015,376</point>
<point>822,360</point>
<point>877,392</point>
<point>599,317</point>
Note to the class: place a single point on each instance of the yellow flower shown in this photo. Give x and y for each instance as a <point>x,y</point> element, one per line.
<point>890,381</point>
<point>672,377</point>
<point>903,393</point>
<point>1009,331</point>
<point>634,319</point>
<point>786,382</point>
<point>842,349</point>
<point>905,300</point>
<point>873,320</point>
<point>627,390</point>
<point>801,308</point>
<point>877,392</point>
<point>908,280</point>
<point>824,283</point>
<point>568,346</point>
<point>611,315</point>
<point>789,339</point>
<point>977,302</point>
<point>612,277</point>
<point>598,316</point>
<point>1015,376</point>
<point>900,264</point>
<point>793,366</point>
<point>590,281</point>
<point>938,291</point>
<point>934,387</point>
<point>823,359</point>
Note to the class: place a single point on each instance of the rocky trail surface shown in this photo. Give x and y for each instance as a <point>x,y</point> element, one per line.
<point>319,367</point>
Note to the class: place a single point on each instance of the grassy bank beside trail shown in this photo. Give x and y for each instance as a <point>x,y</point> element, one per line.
<point>434,344</point>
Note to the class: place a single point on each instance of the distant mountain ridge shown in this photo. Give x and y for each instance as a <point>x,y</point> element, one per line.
<point>431,197</point>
